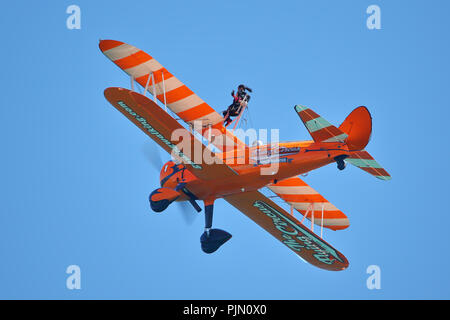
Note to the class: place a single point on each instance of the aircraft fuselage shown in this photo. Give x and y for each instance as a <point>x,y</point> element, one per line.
<point>259,167</point>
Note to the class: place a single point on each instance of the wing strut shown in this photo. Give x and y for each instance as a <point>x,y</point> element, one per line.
<point>311,209</point>
<point>321,221</point>
<point>288,230</point>
<point>151,76</point>
<point>154,89</point>
<point>164,91</point>
<point>132,82</point>
<point>307,211</point>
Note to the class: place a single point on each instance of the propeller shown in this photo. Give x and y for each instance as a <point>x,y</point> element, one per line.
<point>187,212</point>
<point>151,153</point>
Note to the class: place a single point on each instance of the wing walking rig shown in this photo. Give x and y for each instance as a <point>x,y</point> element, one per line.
<point>233,169</point>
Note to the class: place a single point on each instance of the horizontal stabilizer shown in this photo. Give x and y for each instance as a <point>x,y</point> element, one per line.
<point>363,160</point>
<point>319,128</point>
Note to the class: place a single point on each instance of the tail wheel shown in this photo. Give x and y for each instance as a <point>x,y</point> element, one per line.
<point>340,161</point>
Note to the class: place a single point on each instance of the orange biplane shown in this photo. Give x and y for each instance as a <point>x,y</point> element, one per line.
<point>234,170</point>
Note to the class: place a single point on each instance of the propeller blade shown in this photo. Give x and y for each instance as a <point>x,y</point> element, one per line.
<point>187,212</point>
<point>151,153</point>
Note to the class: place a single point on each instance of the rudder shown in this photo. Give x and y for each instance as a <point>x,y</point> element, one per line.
<point>358,127</point>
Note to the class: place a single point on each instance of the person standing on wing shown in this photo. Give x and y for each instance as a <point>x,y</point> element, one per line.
<point>235,108</point>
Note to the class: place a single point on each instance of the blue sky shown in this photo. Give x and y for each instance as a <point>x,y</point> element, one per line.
<point>75,182</point>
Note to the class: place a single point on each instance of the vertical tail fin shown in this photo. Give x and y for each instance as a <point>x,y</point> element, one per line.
<point>358,127</point>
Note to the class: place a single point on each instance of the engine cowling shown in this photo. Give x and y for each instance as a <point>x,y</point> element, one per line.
<point>161,198</point>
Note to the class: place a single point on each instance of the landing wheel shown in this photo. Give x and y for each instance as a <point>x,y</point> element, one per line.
<point>341,165</point>
<point>212,239</point>
<point>340,161</point>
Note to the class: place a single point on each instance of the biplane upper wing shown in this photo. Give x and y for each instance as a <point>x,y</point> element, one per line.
<point>288,230</point>
<point>160,126</point>
<point>150,74</point>
<point>309,202</point>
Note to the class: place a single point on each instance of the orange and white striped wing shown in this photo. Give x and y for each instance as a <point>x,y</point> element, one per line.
<point>150,74</point>
<point>304,198</point>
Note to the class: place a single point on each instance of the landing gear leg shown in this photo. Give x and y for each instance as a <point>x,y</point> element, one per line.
<point>212,239</point>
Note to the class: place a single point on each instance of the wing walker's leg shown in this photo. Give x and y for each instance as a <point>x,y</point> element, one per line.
<point>212,239</point>
<point>226,122</point>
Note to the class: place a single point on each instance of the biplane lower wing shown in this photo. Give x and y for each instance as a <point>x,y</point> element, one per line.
<point>160,126</point>
<point>288,230</point>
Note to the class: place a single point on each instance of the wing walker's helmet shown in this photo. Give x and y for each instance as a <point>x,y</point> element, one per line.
<point>242,88</point>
